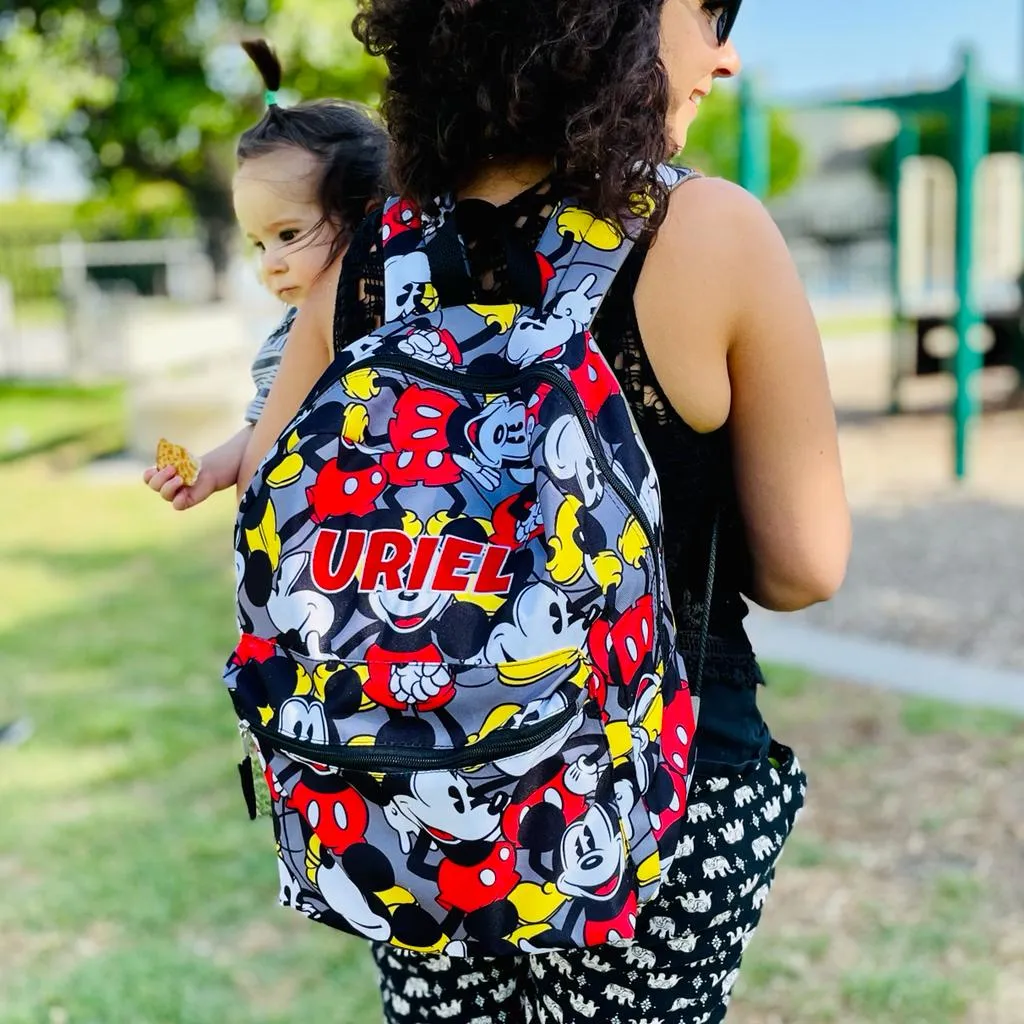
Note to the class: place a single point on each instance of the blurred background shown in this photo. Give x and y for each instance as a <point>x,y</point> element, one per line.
<point>133,887</point>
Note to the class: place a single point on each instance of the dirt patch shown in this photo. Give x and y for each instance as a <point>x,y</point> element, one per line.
<point>899,898</point>
<point>62,950</point>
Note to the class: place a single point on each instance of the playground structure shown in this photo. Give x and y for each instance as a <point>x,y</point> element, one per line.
<point>957,234</point>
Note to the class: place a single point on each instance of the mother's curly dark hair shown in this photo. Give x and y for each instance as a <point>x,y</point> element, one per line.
<point>579,82</point>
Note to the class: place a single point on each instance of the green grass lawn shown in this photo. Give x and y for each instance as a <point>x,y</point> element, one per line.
<point>136,891</point>
<point>854,324</point>
<point>39,312</point>
<point>39,418</point>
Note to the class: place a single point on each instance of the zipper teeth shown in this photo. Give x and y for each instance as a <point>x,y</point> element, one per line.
<point>453,378</point>
<point>377,757</point>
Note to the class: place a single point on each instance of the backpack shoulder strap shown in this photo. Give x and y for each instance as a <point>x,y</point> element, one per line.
<point>580,254</point>
<point>419,250</point>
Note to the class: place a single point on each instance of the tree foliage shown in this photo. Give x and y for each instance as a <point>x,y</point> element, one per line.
<point>158,90</point>
<point>713,143</point>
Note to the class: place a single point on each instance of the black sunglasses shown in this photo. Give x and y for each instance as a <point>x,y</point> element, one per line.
<point>727,12</point>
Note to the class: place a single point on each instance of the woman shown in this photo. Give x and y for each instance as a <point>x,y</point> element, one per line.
<point>512,105</point>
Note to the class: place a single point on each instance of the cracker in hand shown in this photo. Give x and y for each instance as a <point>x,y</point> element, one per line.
<point>168,454</point>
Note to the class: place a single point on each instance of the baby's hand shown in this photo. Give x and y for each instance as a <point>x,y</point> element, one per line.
<point>169,485</point>
<point>217,469</point>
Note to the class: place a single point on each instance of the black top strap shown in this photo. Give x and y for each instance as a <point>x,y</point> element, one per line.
<point>449,266</point>
<point>705,618</point>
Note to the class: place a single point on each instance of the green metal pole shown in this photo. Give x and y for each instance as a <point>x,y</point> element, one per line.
<point>1018,348</point>
<point>906,144</point>
<point>754,141</point>
<point>971,115</point>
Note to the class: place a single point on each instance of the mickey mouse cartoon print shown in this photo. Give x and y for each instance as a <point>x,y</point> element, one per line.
<point>458,662</point>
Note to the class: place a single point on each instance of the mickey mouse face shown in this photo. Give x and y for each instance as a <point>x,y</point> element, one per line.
<point>444,805</point>
<point>568,456</point>
<point>410,291</point>
<point>534,336</point>
<point>498,434</point>
<point>541,623</point>
<point>591,856</point>
<point>408,610</point>
<point>300,719</point>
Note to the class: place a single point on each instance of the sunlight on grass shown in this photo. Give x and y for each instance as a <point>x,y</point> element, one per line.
<point>854,324</point>
<point>123,808</point>
<point>922,717</point>
<point>34,417</point>
<point>907,993</point>
<point>49,770</point>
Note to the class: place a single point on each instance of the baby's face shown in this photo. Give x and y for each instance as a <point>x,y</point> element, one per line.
<point>276,206</point>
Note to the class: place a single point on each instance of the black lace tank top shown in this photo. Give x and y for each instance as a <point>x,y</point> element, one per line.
<point>695,470</point>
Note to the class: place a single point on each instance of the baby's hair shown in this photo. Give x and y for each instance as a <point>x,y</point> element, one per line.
<point>262,55</point>
<point>348,142</point>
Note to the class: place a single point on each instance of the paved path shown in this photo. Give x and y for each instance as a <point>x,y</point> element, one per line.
<point>934,599</point>
<point>888,665</point>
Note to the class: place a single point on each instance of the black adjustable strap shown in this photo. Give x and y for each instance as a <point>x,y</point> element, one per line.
<point>524,280</point>
<point>449,270</point>
<point>705,618</point>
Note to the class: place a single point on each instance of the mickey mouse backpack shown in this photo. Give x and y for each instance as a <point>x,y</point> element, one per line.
<point>457,662</point>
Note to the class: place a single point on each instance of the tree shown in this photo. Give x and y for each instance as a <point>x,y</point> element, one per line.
<point>42,83</point>
<point>158,90</point>
<point>713,142</point>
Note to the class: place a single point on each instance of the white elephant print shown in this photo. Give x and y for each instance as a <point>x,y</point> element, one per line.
<point>699,904</point>
<point>685,943</point>
<point>743,796</point>
<point>621,995</point>
<point>717,867</point>
<point>699,812</point>
<point>639,957</point>
<point>732,833</point>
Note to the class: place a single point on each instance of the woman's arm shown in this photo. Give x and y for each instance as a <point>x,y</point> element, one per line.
<point>307,353</point>
<point>732,337</point>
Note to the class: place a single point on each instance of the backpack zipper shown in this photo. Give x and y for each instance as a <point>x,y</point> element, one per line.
<point>380,757</point>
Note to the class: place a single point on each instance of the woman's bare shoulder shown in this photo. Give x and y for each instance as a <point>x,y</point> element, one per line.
<point>716,219</point>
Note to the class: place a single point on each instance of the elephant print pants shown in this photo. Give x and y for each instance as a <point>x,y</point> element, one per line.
<point>690,939</point>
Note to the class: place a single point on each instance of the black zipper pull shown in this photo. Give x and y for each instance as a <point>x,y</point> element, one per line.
<point>245,772</point>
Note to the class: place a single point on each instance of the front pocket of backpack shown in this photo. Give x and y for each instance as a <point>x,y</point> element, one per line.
<point>513,842</point>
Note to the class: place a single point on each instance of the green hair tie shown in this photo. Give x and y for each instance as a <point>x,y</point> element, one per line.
<point>270,97</point>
